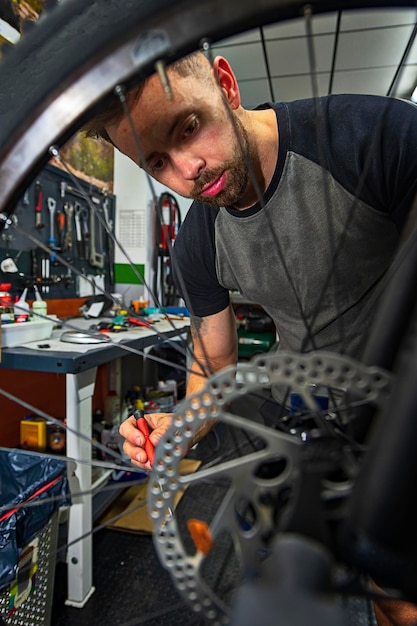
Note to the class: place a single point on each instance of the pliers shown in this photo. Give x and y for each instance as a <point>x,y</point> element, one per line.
<point>136,321</point>
<point>142,425</point>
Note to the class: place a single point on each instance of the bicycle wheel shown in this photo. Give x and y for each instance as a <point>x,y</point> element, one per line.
<point>59,64</point>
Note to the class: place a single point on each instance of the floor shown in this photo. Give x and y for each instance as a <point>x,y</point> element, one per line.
<point>131,586</point>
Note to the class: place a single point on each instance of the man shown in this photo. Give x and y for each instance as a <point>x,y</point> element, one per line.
<point>286,213</point>
<point>283,193</point>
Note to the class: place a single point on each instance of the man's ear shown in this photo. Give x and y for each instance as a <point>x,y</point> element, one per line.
<point>226,80</point>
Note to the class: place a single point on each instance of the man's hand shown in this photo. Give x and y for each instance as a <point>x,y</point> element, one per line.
<point>214,347</point>
<point>134,445</point>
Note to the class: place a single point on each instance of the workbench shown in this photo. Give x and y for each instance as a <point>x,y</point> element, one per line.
<point>79,363</point>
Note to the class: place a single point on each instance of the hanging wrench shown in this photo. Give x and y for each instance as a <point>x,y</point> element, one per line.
<point>78,234</point>
<point>96,238</point>
<point>51,240</point>
<point>85,232</point>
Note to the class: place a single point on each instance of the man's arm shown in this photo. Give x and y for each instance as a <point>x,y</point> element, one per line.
<point>214,347</point>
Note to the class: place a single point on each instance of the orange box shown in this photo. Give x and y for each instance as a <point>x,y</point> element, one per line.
<point>33,433</point>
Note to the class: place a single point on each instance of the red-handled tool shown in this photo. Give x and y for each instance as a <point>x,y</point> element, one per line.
<point>142,424</point>
<point>60,225</point>
<point>38,205</point>
<point>138,322</point>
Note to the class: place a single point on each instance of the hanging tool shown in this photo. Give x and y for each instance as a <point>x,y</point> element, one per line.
<point>78,233</point>
<point>142,425</point>
<point>69,212</point>
<point>169,218</point>
<point>66,189</point>
<point>96,238</point>
<point>45,272</point>
<point>167,224</point>
<point>38,205</point>
<point>51,240</point>
<point>85,232</point>
<point>60,227</point>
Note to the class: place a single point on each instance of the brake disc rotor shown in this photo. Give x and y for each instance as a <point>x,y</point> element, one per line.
<point>296,371</point>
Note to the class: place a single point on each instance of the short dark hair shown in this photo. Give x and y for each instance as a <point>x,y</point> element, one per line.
<point>112,110</point>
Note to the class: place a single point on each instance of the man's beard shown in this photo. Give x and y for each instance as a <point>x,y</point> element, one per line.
<point>237,175</point>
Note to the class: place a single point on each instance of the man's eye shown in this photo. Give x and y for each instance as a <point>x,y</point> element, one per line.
<point>157,165</point>
<point>191,127</point>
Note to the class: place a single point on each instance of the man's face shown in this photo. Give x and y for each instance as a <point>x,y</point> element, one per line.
<point>190,142</point>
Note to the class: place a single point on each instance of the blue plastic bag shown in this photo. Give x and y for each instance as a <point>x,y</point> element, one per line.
<point>32,487</point>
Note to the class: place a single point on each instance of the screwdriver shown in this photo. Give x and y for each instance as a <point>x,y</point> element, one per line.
<point>60,223</point>
<point>142,425</point>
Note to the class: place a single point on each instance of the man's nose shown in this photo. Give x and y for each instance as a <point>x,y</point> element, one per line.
<point>189,165</point>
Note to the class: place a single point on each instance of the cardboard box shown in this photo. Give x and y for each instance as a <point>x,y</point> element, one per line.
<point>134,502</point>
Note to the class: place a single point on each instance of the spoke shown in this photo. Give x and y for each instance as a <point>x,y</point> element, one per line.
<point>33,504</point>
<point>226,468</point>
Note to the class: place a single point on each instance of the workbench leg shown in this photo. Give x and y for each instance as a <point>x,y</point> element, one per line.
<point>80,389</point>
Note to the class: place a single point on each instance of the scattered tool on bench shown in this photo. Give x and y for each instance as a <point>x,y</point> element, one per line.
<point>138,322</point>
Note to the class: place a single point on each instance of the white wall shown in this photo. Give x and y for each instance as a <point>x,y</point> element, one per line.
<point>130,224</point>
<point>134,220</point>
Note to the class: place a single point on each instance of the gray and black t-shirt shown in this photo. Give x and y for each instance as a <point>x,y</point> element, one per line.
<point>326,232</point>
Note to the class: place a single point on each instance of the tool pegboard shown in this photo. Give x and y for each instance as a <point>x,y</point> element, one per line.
<point>56,213</point>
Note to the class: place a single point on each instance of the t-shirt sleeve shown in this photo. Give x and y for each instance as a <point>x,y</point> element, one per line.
<point>399,150</point>
<point>384,154</point>
<point>369,144</point>
<point>194,263</point>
